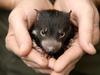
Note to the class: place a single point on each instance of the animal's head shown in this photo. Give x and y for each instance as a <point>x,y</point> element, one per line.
<point>52,28</point>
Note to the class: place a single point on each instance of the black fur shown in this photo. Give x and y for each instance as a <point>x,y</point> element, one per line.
<point>52,1</point>
<point>54,21</point>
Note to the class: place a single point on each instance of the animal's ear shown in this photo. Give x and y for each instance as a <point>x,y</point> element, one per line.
<point>37,12</point>
<point>69,13</point>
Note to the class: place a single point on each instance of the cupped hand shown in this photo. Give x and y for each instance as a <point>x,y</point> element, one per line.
<point>85,17</point>
<point>18,39</point>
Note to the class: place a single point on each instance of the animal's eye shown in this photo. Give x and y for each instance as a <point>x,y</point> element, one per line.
<point>43,32</point>
<point>61,34</point>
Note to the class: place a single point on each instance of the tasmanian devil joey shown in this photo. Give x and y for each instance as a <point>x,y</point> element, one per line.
<point>52,31</point>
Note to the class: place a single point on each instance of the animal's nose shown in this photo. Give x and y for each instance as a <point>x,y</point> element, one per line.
<point>51,50</point>
<point>51,45</point>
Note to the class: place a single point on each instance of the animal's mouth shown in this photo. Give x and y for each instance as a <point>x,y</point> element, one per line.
<point>51,46</point>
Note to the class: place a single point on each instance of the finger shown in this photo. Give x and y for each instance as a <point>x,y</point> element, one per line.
<point>96,32</point>
<point>66,71</point>
<point>35,56</point>
<point>11,43</point>
<point>31,64</point>
<point>51,63</point>
<point>73,53</point>
<point>21,33</point>
<point>86,31</point>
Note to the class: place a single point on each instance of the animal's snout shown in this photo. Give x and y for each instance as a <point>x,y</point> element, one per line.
<point>51,45</point>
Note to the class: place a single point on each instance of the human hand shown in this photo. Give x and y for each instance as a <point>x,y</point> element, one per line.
<point>86,17</point>
<point>87,21</point>
<point>18,39</point>
<point>11,34</point>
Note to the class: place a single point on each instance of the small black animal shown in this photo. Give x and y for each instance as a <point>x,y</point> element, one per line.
<point>52,31</point>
